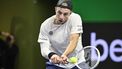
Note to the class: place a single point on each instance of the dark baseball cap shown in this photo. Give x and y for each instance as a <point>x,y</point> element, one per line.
<point>65,4</point>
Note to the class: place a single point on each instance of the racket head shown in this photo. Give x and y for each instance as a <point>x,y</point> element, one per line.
<point>91,56</point>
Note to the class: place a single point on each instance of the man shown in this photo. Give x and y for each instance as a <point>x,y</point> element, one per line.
<point>60,36</point>
<point>8,51</point>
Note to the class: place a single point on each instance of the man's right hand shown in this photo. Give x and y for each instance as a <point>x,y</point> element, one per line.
<point>55,59</point>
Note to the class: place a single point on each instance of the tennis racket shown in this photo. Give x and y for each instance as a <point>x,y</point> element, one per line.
<point>91,55</point>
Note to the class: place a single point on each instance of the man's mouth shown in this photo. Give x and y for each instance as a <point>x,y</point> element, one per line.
<point>60,21</point>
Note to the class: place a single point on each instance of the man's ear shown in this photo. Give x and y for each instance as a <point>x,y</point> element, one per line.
<point>55,9</point>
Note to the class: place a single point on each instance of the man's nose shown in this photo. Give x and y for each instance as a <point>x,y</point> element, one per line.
<point>61,16</point>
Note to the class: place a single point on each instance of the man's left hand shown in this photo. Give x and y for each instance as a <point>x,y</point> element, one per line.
<point>64,59</point>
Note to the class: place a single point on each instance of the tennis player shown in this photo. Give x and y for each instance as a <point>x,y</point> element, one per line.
<point>60,37</point>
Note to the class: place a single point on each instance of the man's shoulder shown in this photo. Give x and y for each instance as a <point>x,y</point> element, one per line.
<point>50,19</point>
<point>74,15</point>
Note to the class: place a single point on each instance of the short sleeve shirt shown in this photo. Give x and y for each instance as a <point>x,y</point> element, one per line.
<point>59,40</point>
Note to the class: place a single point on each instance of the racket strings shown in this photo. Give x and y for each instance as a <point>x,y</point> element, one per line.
<point>91,60</point>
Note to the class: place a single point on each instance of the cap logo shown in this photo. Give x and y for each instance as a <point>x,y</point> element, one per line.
<point>64,4</point>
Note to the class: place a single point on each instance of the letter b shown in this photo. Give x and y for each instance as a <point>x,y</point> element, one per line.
<point>95,42</point>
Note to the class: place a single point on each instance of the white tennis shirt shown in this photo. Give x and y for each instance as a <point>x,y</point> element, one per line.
<point>59,40</point>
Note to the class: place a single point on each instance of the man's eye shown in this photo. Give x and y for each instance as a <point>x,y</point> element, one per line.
<point>59,12</point>
<point>65,14</point>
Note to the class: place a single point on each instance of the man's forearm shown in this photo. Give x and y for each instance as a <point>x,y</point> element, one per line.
<point>45,50</point>
<point>69,49</point>
<point>72,45</point>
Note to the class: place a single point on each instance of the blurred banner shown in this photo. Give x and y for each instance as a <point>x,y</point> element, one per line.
<point>102,25</point>
<point>107,37</point>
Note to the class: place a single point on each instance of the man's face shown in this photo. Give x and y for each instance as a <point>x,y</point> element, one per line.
<point>62,15</point>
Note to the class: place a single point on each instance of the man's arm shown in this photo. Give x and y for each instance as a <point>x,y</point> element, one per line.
<point>45,45</point>
<point>8,37</point>
<point>72,45</point>
<point>49,54</point>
